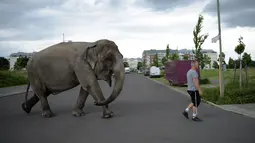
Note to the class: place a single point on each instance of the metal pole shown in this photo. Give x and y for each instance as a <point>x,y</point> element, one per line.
<point>63,37</point>
<point>221,79</point>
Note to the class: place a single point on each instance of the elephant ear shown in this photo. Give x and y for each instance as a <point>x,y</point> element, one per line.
<point>90,55</point>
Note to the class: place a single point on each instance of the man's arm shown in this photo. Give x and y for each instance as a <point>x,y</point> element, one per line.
<point>195,80</point>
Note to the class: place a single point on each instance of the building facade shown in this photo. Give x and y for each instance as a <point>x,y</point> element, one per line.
<point>149,55</point>
<point>213,55</point>
<point>132,62</point>
<point>14,56</point>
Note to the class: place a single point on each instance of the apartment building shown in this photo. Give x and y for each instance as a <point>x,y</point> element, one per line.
<point>132,62</point>
<point>149,55</point>
<point>14,56</point>
<point>213,55</point>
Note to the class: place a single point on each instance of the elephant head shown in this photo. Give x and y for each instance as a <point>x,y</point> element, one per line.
<point>105,59</point>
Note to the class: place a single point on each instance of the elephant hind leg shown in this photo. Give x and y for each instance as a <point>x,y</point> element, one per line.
<point>30,103</point>
<point>45,107</point>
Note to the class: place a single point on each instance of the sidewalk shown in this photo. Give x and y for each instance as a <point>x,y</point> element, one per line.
<point>243,109</point>
<point>7,91</point>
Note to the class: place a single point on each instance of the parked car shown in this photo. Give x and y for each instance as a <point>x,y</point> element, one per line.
<point>176,71</point>
<point>127,70</point>
<point>154,71</point>
<point>147,72</point>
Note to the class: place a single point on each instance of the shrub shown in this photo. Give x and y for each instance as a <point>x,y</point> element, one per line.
<point>204,81</point>
<point>162,73</point>
<point>8,78</point>
<point>232,94</point>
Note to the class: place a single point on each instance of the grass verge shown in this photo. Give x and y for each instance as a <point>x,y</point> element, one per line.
<point>213,74</point>
<point>232,94</point>
<point>12,78</point>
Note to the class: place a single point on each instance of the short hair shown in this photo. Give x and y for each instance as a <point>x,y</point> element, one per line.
<point>193,63</point>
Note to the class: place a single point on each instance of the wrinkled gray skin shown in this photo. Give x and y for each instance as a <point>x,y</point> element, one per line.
<point>66,65</point>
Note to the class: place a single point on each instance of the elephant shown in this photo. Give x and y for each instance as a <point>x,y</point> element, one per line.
<point>65,65</point>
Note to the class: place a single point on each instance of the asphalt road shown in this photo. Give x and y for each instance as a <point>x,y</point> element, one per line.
<point>145,112</point>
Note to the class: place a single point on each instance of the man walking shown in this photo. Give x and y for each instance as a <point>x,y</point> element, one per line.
<point>193,90</point>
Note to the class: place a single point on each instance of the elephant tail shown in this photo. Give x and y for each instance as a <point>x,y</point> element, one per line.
<point>28,86</point>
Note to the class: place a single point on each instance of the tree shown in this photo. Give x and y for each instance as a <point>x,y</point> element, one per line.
<point>246,58</point>
<point>163,60</point>
<point>199,39</point>
<point>252,64</point>
<point>185,57</point>
<point>126,64</point>
<point>206,60</point>
<point>231,63</point>
<point>4,63</point>
<point>21,63</point>
<point>167,52</point>
<point>215,65</point>
<point>175,56</point>
<point>139,65</point>
<point>247,61</point>
<point>155,60</point>
<point>239,49</point>
<point>144,63</point>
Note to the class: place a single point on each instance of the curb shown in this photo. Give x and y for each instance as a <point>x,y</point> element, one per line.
<point>14,93</point>
<point>203,100</point>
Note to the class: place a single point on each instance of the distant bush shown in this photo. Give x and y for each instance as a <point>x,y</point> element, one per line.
<point>14,78</point>
<point>232,94</point>
<point>162,73</point>
<point>204,81</point>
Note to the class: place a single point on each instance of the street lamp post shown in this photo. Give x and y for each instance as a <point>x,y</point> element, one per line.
<point>221,79</point>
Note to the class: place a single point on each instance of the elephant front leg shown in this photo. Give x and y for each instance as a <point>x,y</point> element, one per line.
<point>107,113</point>
<point>78,109</point>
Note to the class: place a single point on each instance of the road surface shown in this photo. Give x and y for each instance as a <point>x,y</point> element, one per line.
<point>145,112</point>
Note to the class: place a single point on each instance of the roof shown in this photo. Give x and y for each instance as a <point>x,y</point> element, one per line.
<point>154,51</point>
<point>21,54</point>
<point>208,51</point>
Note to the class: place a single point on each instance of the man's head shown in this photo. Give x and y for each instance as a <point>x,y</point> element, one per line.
<point>194,64</point>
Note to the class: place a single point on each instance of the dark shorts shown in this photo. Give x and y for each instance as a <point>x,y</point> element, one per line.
<point>195,97</point>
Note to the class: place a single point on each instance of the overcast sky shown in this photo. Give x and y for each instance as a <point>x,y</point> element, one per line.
<point>135,25</point>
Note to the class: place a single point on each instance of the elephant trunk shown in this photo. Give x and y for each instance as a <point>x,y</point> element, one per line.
<point>119,74</point>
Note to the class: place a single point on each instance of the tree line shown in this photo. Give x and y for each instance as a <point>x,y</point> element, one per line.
<point>19,64</point>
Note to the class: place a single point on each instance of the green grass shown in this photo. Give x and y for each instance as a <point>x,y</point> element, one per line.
<point>232,95</point>
<point>229,74</point>
<point>12,78</point>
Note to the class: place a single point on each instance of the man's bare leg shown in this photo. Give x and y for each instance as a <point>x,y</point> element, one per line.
<point>190,105</point>
<point>194,109</point>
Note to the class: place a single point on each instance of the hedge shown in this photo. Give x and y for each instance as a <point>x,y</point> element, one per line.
<point>232,94</point>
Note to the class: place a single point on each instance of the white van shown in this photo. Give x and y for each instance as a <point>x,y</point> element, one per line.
<point>127,70</point>
<point>154,71</point>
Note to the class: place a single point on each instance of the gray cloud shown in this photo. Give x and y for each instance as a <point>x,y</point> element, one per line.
<point>20,15</point>
<point>162,5</point>
<point>234,12</point>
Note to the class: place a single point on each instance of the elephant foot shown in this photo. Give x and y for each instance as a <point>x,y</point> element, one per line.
<point>26,108</point>
<point>107,114</point>
<point>78,113</point>
<point>48,114</point>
